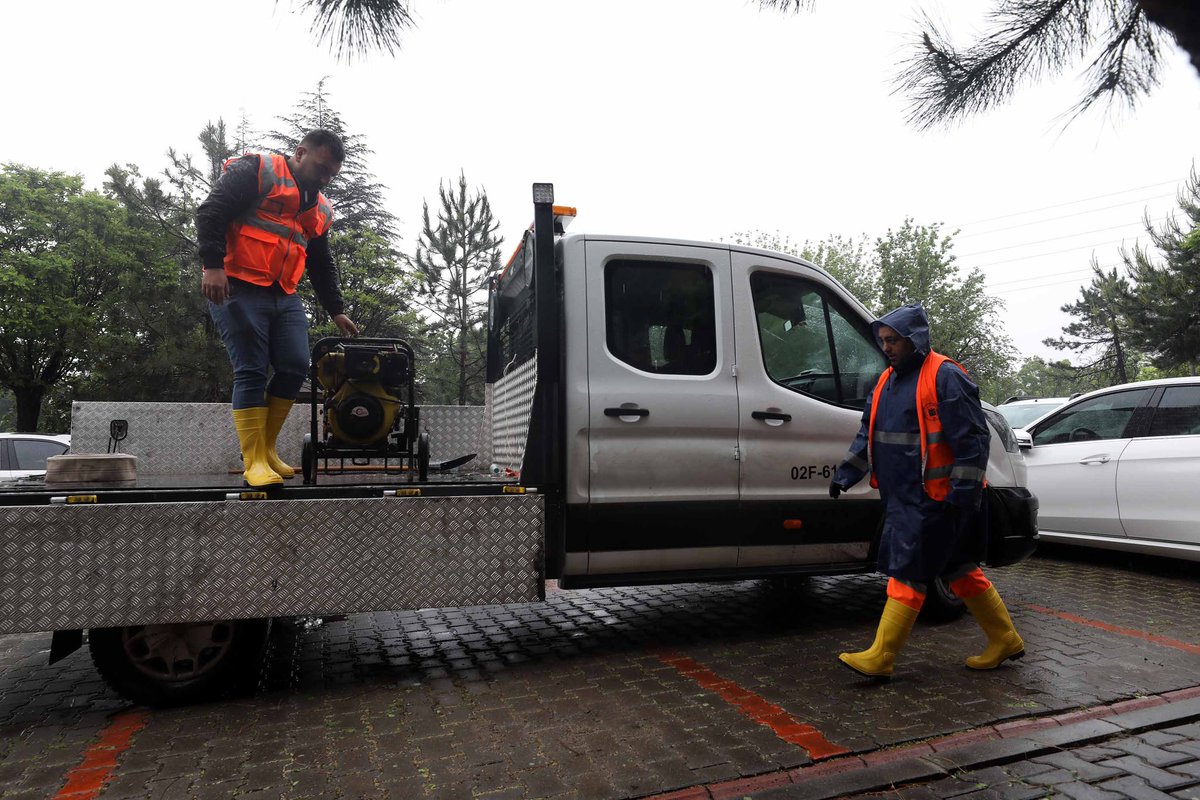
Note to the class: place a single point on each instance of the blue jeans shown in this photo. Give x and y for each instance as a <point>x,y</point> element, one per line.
<point>263,327</point>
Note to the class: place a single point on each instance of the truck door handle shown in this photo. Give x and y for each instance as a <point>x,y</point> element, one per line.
<point>773,415</point>
<point>1095,460</point>
<point>626,412</point>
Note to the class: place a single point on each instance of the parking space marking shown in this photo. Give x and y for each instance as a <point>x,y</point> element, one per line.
<point>765,713</point>
<point>1104,626</point>
<point>87,778</point>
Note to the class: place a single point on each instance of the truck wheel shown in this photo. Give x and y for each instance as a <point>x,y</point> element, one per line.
<point>172,665</point>
<point>941,604</point>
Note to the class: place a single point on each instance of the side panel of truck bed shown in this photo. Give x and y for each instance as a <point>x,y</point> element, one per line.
<point>87,566</point>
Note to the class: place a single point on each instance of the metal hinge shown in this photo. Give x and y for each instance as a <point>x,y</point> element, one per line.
<point>733,370</point>
<point>737,453</point>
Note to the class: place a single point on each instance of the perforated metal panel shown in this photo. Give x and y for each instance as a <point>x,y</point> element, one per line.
<point>91,566</point>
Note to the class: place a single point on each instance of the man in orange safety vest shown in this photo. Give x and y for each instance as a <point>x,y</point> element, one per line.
<point>264,223</point>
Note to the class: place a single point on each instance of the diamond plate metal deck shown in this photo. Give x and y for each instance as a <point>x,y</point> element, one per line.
<point>88,566</point>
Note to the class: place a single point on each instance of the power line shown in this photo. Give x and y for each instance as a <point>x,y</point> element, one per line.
<point>1037,277</point>
<point>1055,238</point>
<point>1069,203</point>
<point>1041,286</point>
<point>1102,267</point>
<point>1062,216</point>
<point>1051,253</point>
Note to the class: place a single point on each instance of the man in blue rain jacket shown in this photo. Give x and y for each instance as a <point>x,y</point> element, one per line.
<point>924,442</point>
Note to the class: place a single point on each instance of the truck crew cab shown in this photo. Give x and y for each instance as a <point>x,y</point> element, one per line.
<point>695,401</point>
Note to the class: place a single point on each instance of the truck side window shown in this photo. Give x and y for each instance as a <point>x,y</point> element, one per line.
<point>810,343</point>
<point>660,316</point>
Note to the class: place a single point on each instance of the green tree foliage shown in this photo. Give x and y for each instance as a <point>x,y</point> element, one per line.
<point>915,265</point>
<point>1040,378</point>
<point>1165,300</point>
<point>1101,331</point>
<point>63,253</point>
<point>454,259</point>
<point>172,350</point>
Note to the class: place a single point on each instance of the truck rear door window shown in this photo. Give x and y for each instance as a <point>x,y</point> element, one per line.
<point>810,343</point>
<point>661,317</point>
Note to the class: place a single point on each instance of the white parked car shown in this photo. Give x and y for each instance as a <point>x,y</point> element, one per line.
<point>25,454</point>
<point>1021,411</point>
<point>1120,468</point>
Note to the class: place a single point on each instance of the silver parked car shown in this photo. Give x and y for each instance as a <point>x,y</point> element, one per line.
<point>1021,411</point>
<point>24,454</point>
<point>1120,468</point>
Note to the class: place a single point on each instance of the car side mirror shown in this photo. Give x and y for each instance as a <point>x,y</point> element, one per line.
<point>1024,438</point>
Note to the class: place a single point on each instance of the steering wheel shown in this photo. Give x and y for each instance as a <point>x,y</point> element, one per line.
<point>1083,434</point>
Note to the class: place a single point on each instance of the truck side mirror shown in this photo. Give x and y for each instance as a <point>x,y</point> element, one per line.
<point>1024,438</point>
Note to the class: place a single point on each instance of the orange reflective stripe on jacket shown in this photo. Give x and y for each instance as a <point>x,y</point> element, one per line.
<point>266,244</point>
<point>937,459</point>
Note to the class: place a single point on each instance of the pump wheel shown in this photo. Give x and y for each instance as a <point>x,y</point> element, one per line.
<point>423,456</point>
<point>172,665</point>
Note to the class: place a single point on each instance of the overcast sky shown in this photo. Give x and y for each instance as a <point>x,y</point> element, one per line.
<point>681,118</point>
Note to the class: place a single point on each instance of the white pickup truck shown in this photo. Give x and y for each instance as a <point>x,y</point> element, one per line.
<point>657,411</point>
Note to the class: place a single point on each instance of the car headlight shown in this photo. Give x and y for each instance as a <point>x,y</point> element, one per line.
<point>1007,437</point>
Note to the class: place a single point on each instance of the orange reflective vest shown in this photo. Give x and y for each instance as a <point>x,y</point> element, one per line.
<point>266,244</point>
<point>937,459</point>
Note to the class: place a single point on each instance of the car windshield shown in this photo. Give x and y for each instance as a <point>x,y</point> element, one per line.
<point>1020,416</point>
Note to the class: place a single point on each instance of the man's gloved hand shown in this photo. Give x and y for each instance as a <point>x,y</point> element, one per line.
<point>835,489</point>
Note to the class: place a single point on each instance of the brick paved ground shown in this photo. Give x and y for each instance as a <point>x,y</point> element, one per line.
<point>583,696</point>
<point>1157,764</point>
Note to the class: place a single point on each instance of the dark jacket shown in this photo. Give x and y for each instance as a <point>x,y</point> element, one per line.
<point>922,537</point>
<point>235,192</point>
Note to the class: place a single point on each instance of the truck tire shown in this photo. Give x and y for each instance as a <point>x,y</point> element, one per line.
<point>173,665</point>
<point>941,604</point>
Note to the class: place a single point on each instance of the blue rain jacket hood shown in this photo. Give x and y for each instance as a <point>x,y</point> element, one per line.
<point>910,322</point>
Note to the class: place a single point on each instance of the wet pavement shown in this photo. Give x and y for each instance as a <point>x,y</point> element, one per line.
<point>701,690</point>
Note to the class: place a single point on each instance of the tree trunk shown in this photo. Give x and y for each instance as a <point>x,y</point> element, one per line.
<point>29,407</point>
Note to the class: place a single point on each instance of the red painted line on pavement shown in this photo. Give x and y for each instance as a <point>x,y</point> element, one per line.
<point>784,725</point>
<point>88,777</point>
<point>1104,626</point>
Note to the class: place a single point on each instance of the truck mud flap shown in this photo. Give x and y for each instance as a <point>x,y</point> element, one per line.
<point>91,566</point>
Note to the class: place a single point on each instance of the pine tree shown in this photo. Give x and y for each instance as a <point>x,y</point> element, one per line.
<point>453,262</point>
<point>1101,330</point>
<point>356,196</point>
<point>1165,301</point>
<point>363,237</point>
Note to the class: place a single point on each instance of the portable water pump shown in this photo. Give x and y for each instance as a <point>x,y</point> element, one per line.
<point>363,407</point>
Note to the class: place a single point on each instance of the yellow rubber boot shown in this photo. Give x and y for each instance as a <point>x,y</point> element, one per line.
<point>277,411</point>
<point>878,659</point>
<point>1003,640</point>
<point>251,424</point>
